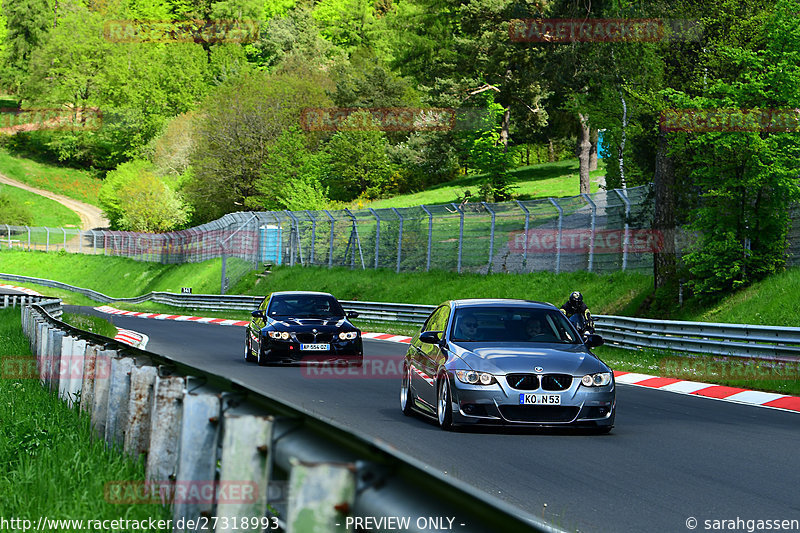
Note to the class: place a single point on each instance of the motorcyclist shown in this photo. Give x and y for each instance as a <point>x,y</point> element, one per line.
<point>578,313</point>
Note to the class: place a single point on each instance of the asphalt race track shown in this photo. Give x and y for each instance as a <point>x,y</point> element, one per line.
<point>670,456</point>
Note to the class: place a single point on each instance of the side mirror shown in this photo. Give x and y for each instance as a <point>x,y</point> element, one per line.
<point>352,314</point>
<point>593,341</point>
<point>430,337</point>
<point>258,313</point>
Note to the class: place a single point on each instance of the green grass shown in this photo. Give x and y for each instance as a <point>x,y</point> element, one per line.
<point>45,212</point>
<point>78,184</point>
<point>91,323</point>
<point>535,181</point>
<point>50,462</point>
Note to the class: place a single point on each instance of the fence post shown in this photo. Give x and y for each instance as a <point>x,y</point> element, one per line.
<point>80,241</point>
<point>313,235</point>
<point>296,224</point>
<point>491,237</point>
<point>460,235</point>
<point>560,225</point>
<point>592,231</point>
<point>65,237</point>
<point>399,238</point>
<point>430,237</point>
<point>377,234</point>
<point>29,237</point>
<point>527,225</point>
<point>8,229</point>
<point>330,252</point>
<point>47,242</point>
<point>624,197</point>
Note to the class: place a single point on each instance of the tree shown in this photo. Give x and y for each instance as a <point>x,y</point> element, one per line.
<point>239,126</point>
<point>355,160</point>
<point>745,180</point>
<point>27,23</point>
<point>135,199</point>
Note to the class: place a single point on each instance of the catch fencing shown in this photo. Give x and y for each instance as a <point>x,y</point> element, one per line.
<point>602,232</point>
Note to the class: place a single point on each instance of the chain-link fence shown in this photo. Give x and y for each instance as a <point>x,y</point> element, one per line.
<point>602,232</point>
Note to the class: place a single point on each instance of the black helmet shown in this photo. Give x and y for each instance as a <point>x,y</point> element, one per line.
<point>576,297</point>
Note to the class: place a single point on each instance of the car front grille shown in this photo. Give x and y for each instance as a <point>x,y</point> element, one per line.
<point>556,382</point>
<point>311,338</point>
<point>548,382</point>
<point>523,381</point>
<point>539,413</point>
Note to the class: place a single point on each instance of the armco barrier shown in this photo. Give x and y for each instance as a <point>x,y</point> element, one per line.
<point>188,421</point>
<point>738,340</point>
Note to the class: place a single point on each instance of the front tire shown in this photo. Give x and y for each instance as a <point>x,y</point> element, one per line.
<point>406,396</point>
<point>248,350</point>
<point>444,405</point>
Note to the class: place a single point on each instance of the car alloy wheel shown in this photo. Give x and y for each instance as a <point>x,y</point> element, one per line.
<point>444,407</point>
<point>406,397</point>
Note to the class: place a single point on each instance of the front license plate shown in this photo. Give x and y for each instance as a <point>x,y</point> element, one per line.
<point>315,347</point>
<point>539,399</point>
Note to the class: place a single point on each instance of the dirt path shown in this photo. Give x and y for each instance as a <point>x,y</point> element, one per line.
<point>91,217</point>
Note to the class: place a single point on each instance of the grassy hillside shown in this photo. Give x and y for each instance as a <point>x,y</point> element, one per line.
<point>78,184</point>
<point>45,212</point>
<point>535,181</point>
<point>121,277</point>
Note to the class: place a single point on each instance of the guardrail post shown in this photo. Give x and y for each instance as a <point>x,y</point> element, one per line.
<point>624,197</point>
<point>165,429</point>
<point>197,457</point>
<point>119,392</point>
<point>430,237</point>
<point>399,238</point>
<point>62,370</point>
<point>319,493</point>
<point>45,362</point>
<point>137,435</point>
<point>246,457</point>
<point>53,361</point>
<point>592,230</point>
<point>87,381</point>
<point>75,372</point>
<point>560,225</point>
<point>377,234</point>
<point>41,347</point>
<point>102,379</point>
<point>525,231</point>
<point>491,237</point>
<point>330,252</point>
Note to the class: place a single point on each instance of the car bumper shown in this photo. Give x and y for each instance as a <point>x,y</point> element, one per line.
<point>493,405</point>
<point>290,352</point>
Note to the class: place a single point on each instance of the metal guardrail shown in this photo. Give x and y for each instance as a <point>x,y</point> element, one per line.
<point>19,300</point>
<point>146,403</point>
<point>709,338</point>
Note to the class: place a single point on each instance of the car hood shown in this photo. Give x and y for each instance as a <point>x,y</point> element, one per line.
<point>505,358</point>
<point>300,324</point>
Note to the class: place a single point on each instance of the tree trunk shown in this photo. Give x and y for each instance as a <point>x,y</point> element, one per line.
<point>551,151</point>
<point>664,260</point>
<point>594,137</point>
<point>504,131</point>
<point>584,149</point>
<point>528,154</point>
<point>621,153</point>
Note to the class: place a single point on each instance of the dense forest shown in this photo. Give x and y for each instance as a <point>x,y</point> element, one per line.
<point>202,119</point>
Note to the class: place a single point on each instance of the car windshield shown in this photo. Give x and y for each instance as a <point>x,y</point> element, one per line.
<point>511,324</point>
<point>305,305</point>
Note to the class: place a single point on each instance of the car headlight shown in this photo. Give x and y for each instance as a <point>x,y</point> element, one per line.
<point>472,377</point>
<point>279,335</point>
<point>348,335</point>
<point>596,380</point>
